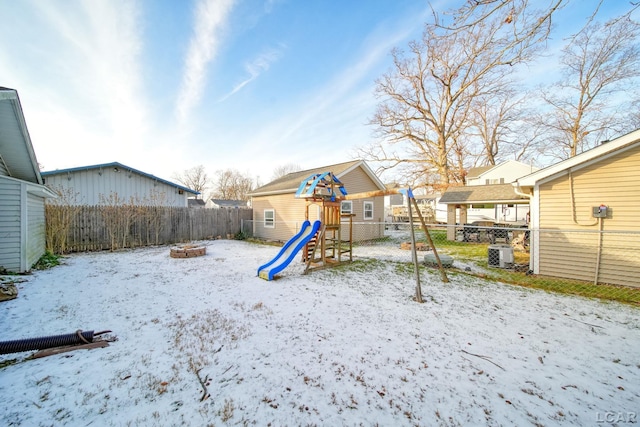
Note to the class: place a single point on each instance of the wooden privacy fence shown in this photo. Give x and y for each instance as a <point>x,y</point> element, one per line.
<point>93,228</point>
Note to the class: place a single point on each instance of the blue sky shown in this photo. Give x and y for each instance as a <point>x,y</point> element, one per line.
<point>163,85</point>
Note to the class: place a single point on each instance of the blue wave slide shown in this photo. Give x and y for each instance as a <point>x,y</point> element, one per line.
<point>289,250</point>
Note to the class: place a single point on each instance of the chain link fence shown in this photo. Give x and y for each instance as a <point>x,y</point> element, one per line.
<point>596,264</point>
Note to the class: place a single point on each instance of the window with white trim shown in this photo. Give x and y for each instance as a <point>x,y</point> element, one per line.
<point>368,210</point>
<point>346,207</point>
<point>269,218</point>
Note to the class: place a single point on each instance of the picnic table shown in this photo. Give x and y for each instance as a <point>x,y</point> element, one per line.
<point>487,231</point>
<point>499,231</point>
<point>477,230</point>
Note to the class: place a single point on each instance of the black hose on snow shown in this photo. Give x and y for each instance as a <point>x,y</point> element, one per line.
<point>16,346</point>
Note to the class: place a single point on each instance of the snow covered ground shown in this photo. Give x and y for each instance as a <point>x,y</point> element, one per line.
<point>341,346</point>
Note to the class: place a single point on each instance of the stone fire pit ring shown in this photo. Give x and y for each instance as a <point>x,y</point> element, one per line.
<point>187,251</point>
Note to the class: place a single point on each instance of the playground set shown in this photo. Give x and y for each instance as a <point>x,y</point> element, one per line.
<point>322,243</point>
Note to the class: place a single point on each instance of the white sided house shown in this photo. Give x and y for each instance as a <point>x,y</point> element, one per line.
<point>22,195</point>
<point>504,173</point>
<point>115,184</point>
<point>278,214</point>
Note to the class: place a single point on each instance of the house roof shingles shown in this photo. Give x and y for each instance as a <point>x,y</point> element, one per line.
<point>290,182</point>
<point>498,193</point>
<point>225,203</point>
<point>475,172</point>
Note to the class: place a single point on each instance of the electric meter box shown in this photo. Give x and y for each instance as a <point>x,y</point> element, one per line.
<point>600,211</point>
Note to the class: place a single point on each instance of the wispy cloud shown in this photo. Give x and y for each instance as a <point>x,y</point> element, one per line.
<point>210,19</point>
<point>256,67</point>
<point>352,85</point>
<point>100,54</point>
<point>83,71</point>
<point>331,111</point>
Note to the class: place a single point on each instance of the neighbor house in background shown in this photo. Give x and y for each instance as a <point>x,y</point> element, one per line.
<point>278,215</point>
<point>22,195</point>
<point>196,203</point>
<point>503,173</point>
<point>115,184</point>
<point>488,197</point>
<point>584,214</point>
<point>226,204</point>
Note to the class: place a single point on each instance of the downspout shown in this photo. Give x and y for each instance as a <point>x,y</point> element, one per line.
<point>519,192</point>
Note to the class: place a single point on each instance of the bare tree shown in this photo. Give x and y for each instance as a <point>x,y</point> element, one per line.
<point>195,178</point>
<point>286,169</point>
<point>424,117</point>
<point>600,62</point>
<point>501,127</point>
<point>232,185</point>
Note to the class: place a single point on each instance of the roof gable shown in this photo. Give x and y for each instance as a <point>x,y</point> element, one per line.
<point>290,182</point>
<point>475,172</point>
<point>16,150</point>
<point>582,160</point>
<point>509,170</point>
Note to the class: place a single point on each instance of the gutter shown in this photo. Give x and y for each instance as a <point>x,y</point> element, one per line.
<point>519,192</point>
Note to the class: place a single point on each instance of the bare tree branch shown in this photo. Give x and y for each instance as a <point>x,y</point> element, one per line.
<point>283,170</point>
<point>429,101</point>
<point>232,185</point>
<point>195,178</point>
<point>600,62</point>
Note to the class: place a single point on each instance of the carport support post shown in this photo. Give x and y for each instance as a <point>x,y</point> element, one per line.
<point>414,252</point>
<point>451,222</point>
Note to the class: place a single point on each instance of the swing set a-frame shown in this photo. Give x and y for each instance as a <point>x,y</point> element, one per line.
<point>330,245</point>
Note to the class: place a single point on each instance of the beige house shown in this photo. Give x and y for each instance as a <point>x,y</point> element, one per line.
<point>278,214</point>
<point>584,213</point>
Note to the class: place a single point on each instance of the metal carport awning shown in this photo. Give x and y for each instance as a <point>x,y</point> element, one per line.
<point>477,194</point>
